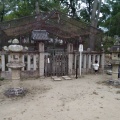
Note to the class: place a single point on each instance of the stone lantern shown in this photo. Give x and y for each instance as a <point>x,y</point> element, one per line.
<point>115,60</point>
<point>15,64</point>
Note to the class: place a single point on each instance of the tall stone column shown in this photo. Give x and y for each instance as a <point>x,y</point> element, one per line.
<point>41,59</point>
<point>70,58</point>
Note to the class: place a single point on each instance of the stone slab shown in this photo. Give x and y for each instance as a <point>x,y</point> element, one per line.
<point>57,79</point>
<point>66,77</point>
<point>54,77</point>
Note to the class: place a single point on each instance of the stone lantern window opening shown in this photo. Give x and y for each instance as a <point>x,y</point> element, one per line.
<point>15,57</point>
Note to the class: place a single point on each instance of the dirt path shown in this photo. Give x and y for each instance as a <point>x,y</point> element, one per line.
<point>81,99</point>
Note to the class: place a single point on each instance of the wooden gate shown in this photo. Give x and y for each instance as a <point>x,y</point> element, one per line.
<point>56,65</point>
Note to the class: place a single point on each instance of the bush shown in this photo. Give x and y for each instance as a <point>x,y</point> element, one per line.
<point>1,78</point>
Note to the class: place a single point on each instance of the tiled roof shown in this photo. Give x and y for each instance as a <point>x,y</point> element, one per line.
<point>115,48</point>
<point>38,35</point>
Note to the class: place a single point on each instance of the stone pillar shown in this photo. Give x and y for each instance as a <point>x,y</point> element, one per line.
<point>28,62</point>
<point>84,61</point>
<point>41,59</point>
<point>23,62</point>
<point>93,60</point>
<point>9,59</point>
<point>98,58</point>
<point>3,62</point>
<point>70,57</point>
<point>89,62</point>
<point>34,62</point>
<point>115,72</point>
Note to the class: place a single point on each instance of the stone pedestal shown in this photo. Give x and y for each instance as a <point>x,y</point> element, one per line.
<point>15,74</point>
<point>115,72</point>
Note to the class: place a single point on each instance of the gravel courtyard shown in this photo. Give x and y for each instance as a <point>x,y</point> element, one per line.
<point>77,99</point>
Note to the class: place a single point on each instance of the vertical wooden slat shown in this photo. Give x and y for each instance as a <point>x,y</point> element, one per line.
<point>58,65</point>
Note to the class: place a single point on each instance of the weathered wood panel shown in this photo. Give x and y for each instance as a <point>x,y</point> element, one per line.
<point>56,65</point>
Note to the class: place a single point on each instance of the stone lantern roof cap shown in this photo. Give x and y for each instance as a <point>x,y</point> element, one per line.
<point>15,41</point>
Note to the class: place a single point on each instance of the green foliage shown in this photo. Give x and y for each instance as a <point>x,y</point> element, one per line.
<point>111,18</point>
<point>4,8</point>
<point>21,8</point>
<point>108,42</point>
<point>1,78</point>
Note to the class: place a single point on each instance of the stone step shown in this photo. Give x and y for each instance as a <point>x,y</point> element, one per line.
<point>66,78</point>
<point>55,78</point>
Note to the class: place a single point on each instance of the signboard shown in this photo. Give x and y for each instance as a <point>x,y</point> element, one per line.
<point>80,48</point>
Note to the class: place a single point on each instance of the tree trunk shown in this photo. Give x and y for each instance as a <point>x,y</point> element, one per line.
<point>94,23</point>
<point>37,10</point>
<point>2,13</point>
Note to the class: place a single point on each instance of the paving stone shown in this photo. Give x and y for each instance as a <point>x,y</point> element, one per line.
<point>57,79</point>
<point>54,77</point>
<point>66,77</point>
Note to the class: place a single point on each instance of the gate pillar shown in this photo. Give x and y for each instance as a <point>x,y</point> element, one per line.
<point>70,58</point>
<point>41,59</point>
